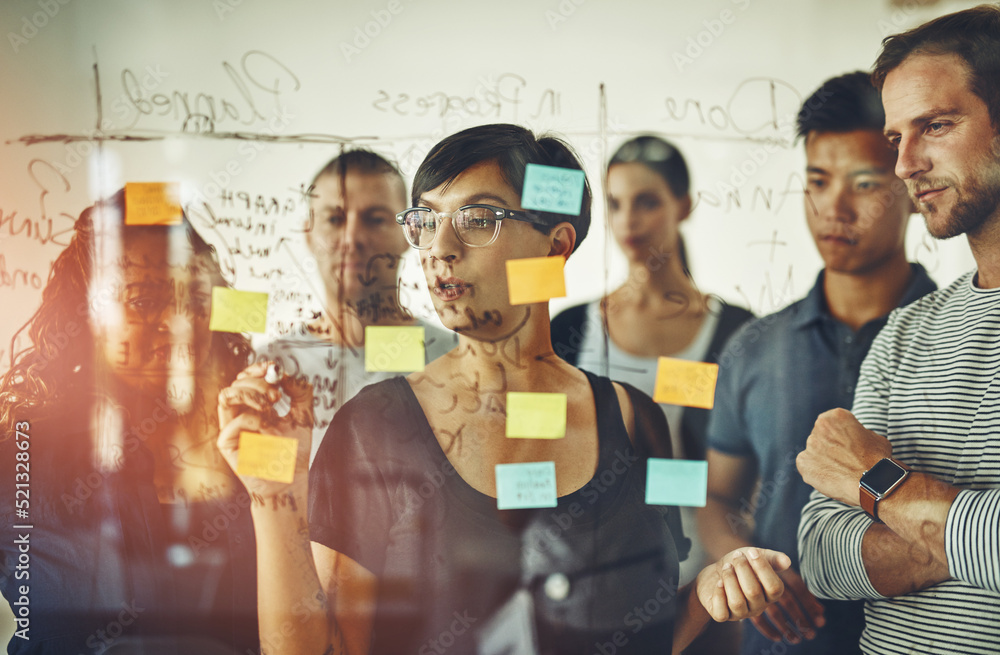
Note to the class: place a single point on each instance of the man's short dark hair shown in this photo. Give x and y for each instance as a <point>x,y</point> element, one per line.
<point>363,162</point>
<point>842,104</point>
<point>512,147</point>
<point>973,35</point>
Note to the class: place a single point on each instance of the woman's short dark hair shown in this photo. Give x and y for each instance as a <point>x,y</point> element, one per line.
<point>659,155</point>
<point>842,104</point>
<point>512,147</point>
<point>973,35</point>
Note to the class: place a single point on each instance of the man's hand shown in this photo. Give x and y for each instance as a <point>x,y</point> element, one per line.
<point>795,616</point>
<point>742,584</point>
<point>838,452</point>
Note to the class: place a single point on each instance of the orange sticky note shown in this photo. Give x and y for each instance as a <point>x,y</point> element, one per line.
<point>687,383</point>
<point>152,203</point>
<point>267,457</point>
<point>238,311</point>
<point>535,279</point>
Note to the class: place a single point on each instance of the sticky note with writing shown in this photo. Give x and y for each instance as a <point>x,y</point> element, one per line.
<point>152,203</point>
<point>536,415</point>
<point>553,189</point>
<point>687,383</point>
<point>267,457</point>
<point>238,311</point>
<point>526,485</point>
<point>676,482</point>
<point>398,349</point>
<point>535,279</point>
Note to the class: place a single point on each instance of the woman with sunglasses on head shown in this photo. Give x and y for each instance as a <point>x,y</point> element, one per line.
<point>409,551</point>
<point>658,311</point>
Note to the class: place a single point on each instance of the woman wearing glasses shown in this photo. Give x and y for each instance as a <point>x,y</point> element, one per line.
<point>409,551</point>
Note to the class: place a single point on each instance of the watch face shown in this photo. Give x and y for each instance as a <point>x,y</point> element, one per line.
<point>882,476</point>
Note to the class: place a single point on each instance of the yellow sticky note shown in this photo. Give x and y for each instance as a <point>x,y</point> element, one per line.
<point>394,348</point>
<point>267,457</point>
<point>536,415</point>
<point>535,279</point>
<point>687,383</point>
<point>152,203</point>
<point>238,311</point>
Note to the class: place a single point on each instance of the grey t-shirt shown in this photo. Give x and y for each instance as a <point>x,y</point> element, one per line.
<point>337,373</point>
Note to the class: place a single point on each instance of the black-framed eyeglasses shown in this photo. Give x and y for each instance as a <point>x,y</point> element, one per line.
<point>475,225</point>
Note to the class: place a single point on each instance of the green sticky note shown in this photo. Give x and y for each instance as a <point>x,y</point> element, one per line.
<point>553,189</point>
<point>676,482</point>
<point>397,349</point>
<point>526,485</point>
<point>536,415</point>
<point>238,311</point>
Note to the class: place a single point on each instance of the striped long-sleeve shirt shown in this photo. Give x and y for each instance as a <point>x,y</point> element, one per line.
<point>931,384</point>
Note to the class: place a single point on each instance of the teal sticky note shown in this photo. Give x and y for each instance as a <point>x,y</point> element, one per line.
<point>526,485</point>
<point>676,482</point>
<point>553,189</point>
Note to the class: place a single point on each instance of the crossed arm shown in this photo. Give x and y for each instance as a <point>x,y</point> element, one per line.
<point>928,535</point>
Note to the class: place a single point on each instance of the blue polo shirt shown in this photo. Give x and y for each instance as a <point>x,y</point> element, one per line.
<point>776,375</point>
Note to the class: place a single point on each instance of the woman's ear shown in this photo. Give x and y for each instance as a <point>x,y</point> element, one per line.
<point>562,240</point>
<point>685,206</point>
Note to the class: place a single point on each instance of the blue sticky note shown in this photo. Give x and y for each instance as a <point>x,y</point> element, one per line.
<point>553,189</point>
<point>526,485</point>
<point>676,482</point>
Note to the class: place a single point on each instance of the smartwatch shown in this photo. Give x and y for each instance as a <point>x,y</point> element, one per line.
<point>878,482</point>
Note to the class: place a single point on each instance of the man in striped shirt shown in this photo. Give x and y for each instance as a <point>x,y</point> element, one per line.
<point>925,550</point>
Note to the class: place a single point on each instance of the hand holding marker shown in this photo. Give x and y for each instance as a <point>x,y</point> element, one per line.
<point>284,404</point>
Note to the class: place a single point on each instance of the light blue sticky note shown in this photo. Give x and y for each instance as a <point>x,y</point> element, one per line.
<point>526,485</point>
<point>676,482</point>
<point>553,189</point>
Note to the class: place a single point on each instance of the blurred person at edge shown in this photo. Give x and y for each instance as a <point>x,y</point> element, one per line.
<point>141,533</point>
<point>359,251</point>
<point>658,312</point>
<point>781,371</point>
<point>409,551</point>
